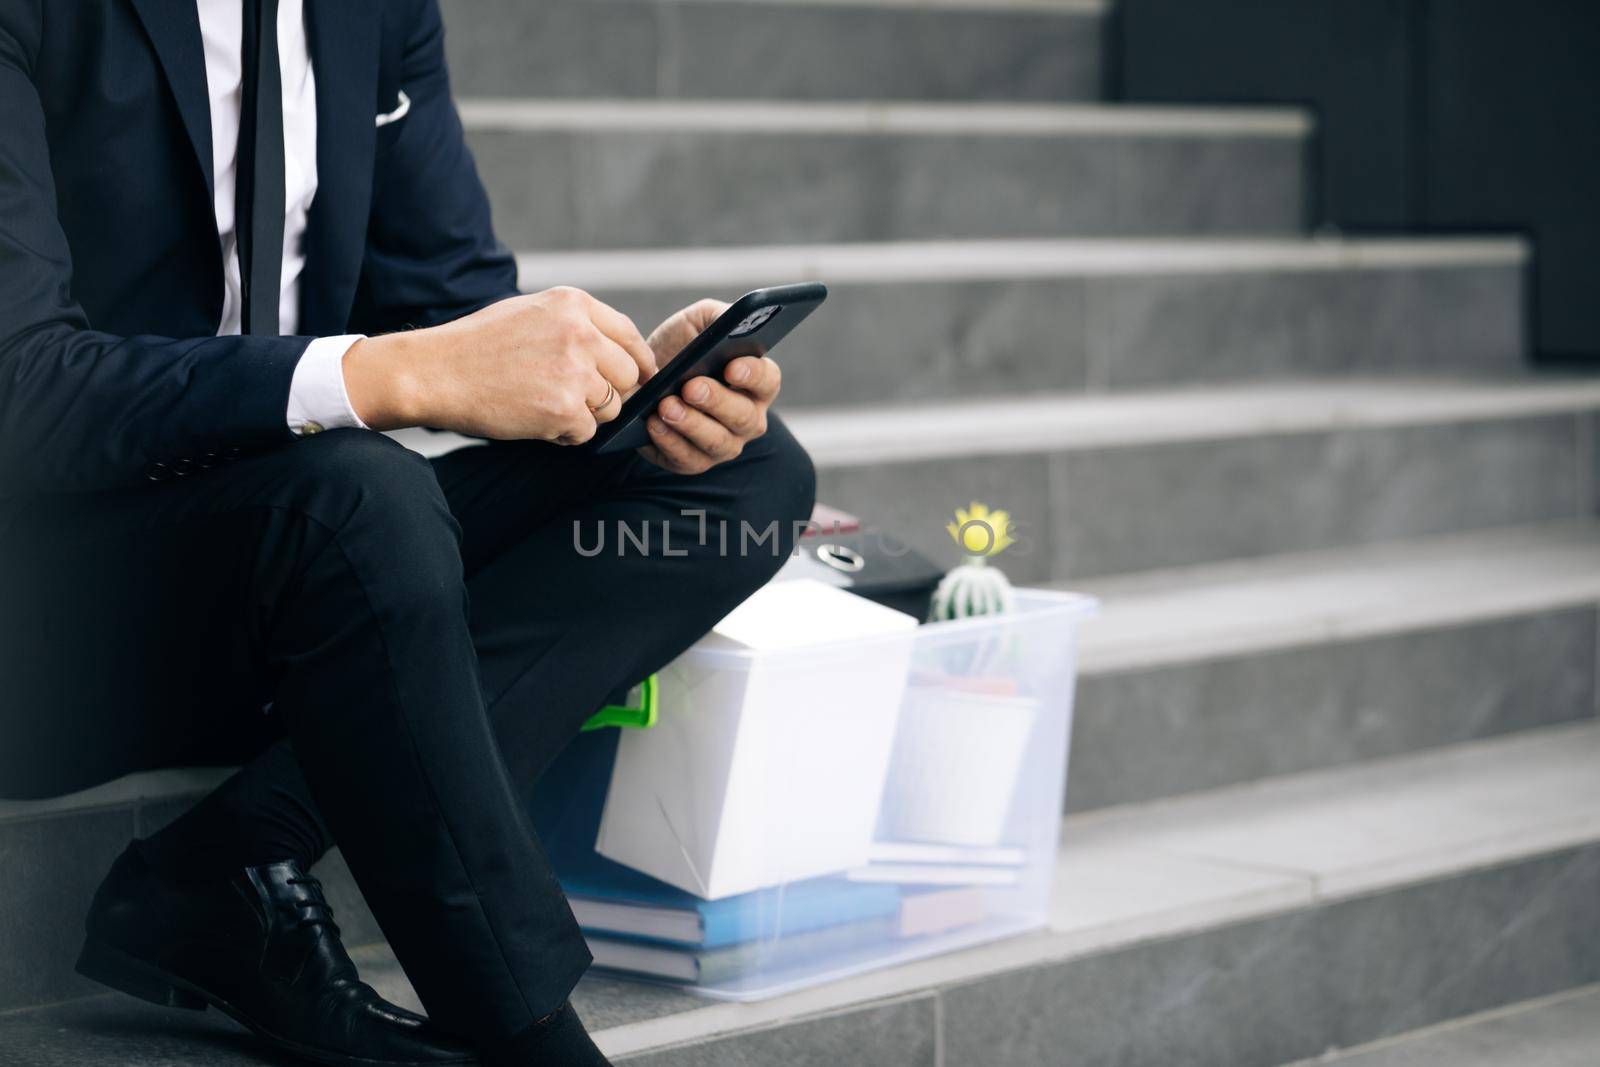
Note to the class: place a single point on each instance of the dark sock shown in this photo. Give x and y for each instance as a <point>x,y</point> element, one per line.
<point>263,814</point>
<point>558,1040</point>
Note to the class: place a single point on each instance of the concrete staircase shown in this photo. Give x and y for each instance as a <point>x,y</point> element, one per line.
<point>1557,1031</point>
<point>1335,780</point>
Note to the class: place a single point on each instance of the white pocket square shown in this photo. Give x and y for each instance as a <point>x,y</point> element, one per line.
<point>398,113</point>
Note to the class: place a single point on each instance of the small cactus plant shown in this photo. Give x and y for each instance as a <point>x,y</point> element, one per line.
<point>976,587</point>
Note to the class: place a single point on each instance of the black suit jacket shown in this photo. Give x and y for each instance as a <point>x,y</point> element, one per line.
<point>111,281</point>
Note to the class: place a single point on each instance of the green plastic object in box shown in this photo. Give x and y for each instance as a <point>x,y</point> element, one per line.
<point>640,718</point>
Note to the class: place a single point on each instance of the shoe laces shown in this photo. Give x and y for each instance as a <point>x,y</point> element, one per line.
<point>311,908</point>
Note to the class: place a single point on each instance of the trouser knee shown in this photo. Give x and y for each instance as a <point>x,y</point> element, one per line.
<point>382,506</point>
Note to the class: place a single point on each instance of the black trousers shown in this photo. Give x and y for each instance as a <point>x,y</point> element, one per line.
<point>403,646</point>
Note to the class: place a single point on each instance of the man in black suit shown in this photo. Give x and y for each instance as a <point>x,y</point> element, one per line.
<point>236,238</point>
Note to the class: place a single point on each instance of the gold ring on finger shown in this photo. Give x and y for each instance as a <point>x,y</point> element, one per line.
<point>611,394</point>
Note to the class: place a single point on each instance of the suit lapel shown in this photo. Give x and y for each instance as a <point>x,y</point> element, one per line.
<point>343,36</point>
<point>174,30</point>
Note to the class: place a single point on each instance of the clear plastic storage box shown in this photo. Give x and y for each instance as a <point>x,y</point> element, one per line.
<point>800,815</point>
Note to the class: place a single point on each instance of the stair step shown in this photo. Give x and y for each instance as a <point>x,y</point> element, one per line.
<point>1241,917</point>
<point>1562,1030</point>
<point>779,49</point>
<point>1338,464</point>
<point>932,320</point>
<point>610,174</point>
<point>53,853</point>
<point>1260,924</point>
<point>854,435</point>
<point>866,117</point>
<point>1184,615</point>
<point>1210,676</point>
<point>656,269</point>
<point>1110,484</point>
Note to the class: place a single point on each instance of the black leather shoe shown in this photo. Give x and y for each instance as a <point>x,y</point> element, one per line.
<point>263,948</point>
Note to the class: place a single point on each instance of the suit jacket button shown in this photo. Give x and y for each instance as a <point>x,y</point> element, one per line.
<point>184,467</point>
<point>158,472</point>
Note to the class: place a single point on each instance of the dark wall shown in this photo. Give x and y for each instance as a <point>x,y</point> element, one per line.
<point>1433,115</point>
<point>1511,136</point>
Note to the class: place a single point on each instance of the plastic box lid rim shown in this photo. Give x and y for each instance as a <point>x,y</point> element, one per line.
<point>1053,606</point>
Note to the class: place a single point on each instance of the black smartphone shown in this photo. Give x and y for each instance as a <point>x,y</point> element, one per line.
<point>752,326</point>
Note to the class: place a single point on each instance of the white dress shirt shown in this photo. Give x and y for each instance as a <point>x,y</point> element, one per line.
<point>317,398</point>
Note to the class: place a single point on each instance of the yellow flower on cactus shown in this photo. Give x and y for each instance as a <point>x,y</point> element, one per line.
<point>981,532</point>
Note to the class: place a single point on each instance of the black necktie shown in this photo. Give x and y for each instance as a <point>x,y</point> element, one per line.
<point>260,200</point>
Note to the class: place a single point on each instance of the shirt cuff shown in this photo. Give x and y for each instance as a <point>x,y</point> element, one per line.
<point>317,398</point>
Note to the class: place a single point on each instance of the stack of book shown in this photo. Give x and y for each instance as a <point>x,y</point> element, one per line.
<point>640,925</point>
<point>637,924</point>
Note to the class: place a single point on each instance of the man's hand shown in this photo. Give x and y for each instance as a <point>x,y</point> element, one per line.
<point>712,422</point>
<point>550,367</point>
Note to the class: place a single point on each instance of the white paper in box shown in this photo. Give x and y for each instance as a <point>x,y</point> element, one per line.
<point>755,774</point>
<point>955,772</point>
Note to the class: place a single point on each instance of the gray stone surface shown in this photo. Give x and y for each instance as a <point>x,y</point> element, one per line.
<point>555,189</point>
<point>707,49</point>
<point>49,869</point>
<point>914,501</point>
<point>129,1033</point>
<point>1139,735</point>
<point>1116,511</point>
<point>1271,991</point>
<point>1260,992</point>
<point>643,188</point>
<point>356,923</point>
<point>1460,320</point>
<point>1561,1032</point>
<point>1234,997</point>
<point>95,1029</point>
<point>902,343</point>
<point>1395,961</point>
<point>897,1034</point>
<point>806,51</point>
<point>1591,428</point>
<point>531,185</point>
<point>604,1002</point>
<point>119,1031</point>
<point>946,339</point>
<point>554,47</point>
<point>1094,186</point>
<point>601,1001</point>
<point>1165,329</point>
<point>1162,329</point>
<point>1123,510</point>
<point>1178,185</point>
